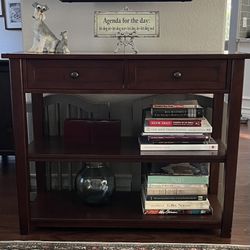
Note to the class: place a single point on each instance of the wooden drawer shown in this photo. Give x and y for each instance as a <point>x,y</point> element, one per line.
<point>74,74</point>
<point>201,75</point>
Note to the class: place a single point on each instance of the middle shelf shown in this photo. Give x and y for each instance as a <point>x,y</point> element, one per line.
<point>54,149</point>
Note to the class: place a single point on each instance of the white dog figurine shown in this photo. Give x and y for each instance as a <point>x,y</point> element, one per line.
<point>44,39</point>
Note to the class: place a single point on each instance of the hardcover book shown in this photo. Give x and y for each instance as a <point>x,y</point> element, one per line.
<point>205,127</point>
<point>171,122</point>
<point>174,123</point>
<point>145,144</point>
<point>180,204</point>
<point>177,110</point>
<point>177,138</point>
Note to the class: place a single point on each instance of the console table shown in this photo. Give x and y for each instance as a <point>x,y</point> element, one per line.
<point>216,74</point>
<point>6,132</point>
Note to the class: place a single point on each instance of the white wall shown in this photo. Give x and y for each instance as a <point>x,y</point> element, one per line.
<point>10,40</point>
<point>244,46</point>
<point>191,26</point>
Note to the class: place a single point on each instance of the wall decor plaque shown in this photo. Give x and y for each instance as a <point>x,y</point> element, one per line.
<point>143,23</point>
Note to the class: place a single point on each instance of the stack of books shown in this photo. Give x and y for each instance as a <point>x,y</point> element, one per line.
<point>176,127</point>
<point>177,189</point>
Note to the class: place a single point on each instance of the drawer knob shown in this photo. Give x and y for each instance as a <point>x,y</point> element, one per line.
<point>74,75</point>
<point>177,75</point>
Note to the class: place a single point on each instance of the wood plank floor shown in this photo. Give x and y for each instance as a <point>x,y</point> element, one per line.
<point>9,229</point>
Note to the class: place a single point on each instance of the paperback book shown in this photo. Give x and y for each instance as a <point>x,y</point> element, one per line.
<point>176,197</point>
<point>176,189</point>
<point>177,211</point>
<point>177,204</point>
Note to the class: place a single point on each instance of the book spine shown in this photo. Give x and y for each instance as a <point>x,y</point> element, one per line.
<point>177,113</point>
<point>167,179</point>
<point>183,146</point>
<point>173,134</point>
<point>174,211</point>
<point>172,106</point>
<point>175,191</point>
<point>176,197</point>
<point>182,129</point>
<point>176,142</point>
<point>188,138</point>
<point>178,205</point>
<point>173,123</point>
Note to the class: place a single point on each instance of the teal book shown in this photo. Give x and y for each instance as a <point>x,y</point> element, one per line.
<point>180,173</point>
<point>166,179</point>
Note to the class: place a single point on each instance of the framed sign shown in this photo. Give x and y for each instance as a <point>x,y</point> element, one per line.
<point>12,13</point>
<point>144,23</point>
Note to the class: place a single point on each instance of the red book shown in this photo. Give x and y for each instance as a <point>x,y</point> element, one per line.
<point>173,123</point>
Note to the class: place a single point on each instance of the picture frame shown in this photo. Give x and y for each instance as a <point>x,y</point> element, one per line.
<point>12,14</point>
<point>1,8</point>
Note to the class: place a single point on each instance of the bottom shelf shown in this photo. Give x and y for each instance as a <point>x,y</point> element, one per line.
<point>63,209</point>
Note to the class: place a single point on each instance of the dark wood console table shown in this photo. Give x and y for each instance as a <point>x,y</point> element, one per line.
<point>6,132</point>
<point>216,74</point>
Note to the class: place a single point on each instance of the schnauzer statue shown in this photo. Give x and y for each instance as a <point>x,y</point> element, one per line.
<point>44,39</point>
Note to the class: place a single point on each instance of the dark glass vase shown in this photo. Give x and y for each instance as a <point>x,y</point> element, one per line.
<point>95,183</point>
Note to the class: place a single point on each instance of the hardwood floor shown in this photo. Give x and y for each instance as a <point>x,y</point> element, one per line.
<point>9,229</point>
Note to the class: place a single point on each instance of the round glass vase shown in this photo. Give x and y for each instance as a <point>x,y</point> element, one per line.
<point>95,183</point>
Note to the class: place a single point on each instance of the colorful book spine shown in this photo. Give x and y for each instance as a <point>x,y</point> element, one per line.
<point>204,128</point>
<point>173,123</point>
<point>177,212</point>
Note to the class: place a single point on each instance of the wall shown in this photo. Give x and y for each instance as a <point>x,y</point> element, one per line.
<point>193,26</point>
<point>244,13</point>
<point>243,45</point>
<point>188,27</point>
<point>10,40</point>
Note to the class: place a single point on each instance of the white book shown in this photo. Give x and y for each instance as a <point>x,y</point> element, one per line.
<point>206,145</point>
<point>204,128</point>
<point>170,133</point>
<point>178,205</point>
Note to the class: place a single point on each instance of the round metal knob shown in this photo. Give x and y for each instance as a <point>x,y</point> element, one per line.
<point>177,75</point>
<point>74,74</point>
